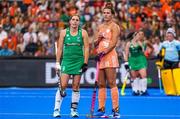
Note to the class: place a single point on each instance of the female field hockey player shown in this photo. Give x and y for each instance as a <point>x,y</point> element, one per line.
<point>105,40</point>
<point>73,50</point>
<point>136,51</point>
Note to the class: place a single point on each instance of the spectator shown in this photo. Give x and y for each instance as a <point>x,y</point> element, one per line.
<point>31,48</point>
<point>11,41</point>
<point>18,52</point>
<point>20,43</point>
<point>5,51</point>
<point>49,48</point>
<point>43,5</point>
<point>21,15</point>
<point>147,30</point>
<point>156,44</point>
<point>41,52</point>
<point>43,35</point>
<point>20,24</point>
<point>3,35</point>
<point>80,4</point>
<point>14,9</point>
<point>8,24</point>
<point>29,35</point>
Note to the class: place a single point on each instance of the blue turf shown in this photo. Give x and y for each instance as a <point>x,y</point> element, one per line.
<point>38,103</point>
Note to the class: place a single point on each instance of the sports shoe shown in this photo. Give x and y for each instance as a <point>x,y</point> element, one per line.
<point>100,112</point>
<point>56,113</point>
<point>115,113</point>
<point>74,113</point>
<point>145,93</point>
<point>135,93</point>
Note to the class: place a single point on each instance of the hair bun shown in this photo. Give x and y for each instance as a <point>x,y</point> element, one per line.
<point>109,4</point>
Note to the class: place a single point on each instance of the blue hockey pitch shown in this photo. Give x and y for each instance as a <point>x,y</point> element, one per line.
<point>38,103</point>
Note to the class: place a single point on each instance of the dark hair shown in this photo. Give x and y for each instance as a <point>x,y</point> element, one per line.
<point>141,30</point>
<point>109,5</point>
<point>131,35</point>
<point>74,15</point>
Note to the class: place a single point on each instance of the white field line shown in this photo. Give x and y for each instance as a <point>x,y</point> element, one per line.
<point>44,114</point>
<point>88,96</point>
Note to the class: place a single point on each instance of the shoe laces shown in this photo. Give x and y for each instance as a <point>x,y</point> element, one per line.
<point>56,110</point>
<point>74,113</point>
<point>101,109</point>
<point>116,109</point>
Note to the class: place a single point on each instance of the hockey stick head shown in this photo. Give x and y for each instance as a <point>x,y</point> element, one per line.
<point>123,93</point>
<point>124,84</point>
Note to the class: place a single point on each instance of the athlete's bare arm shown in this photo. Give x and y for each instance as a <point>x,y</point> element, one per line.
<point>97,36</point>
<point>115,36</point>
<point>149,48</point>
<point>86,45</point>
<point>127,51</point>
<point>149,45</point>
<point>60,45</point>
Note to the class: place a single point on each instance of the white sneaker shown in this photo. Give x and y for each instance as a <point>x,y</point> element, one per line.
<point>74,113</point>
<point>56,113</point>
<point>115,113</point>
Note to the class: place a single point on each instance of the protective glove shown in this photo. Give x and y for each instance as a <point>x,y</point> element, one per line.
<point>126,65</point>
<point>161,53</point>
<point>160,57</point>
<point>84,67</point>
<point>58,68</point>
<point>99,56</point>
<point>146,53</point>
<point>140,48</point>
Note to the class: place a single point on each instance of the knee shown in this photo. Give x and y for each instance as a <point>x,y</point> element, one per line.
<point>101,85</point>
<point>63,86</point>
<point>112,84</point>
<point>75,87</point>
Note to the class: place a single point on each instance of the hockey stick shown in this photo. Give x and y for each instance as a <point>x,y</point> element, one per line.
<point>159,78</point>
<point>94,91</point>
<point>159,65</point>
<point>61,91</point>
<point>124,83</point>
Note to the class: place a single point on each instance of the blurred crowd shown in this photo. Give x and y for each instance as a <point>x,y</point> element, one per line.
<point>30,27</point>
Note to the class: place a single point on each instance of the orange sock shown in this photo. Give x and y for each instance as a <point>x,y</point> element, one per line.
<point>115,97</point>
<point>102,97</point>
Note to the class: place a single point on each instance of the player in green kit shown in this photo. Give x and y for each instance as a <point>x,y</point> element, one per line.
<point>73,57</point>
<point>73,50</point>
<point>135,56</point>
